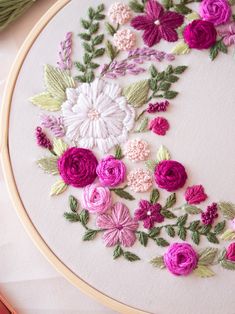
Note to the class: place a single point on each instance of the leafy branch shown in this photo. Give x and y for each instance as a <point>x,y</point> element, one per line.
<point>129,256</point>
<point>90,42</point>
<point>179,6</point>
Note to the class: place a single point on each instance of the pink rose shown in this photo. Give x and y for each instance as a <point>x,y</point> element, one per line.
<point>77,167</point>
<point>200,34</point>
<point>159,125</point>
<point>195,194</point>
<point>111,171</point>
<point>96,198</point>
<point>170,175</point>
<point>215,11</point>
<point>230,255</point>
<point>180,259</point>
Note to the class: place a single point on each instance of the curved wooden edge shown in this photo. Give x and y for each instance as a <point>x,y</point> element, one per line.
<point>10,180</point>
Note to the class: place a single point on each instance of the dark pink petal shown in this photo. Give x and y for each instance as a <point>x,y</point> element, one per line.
<point>171,19</point>
<point>152,36</point>
<point>154,9</point>
<point>141,22</point>
<point>140,214</point>
<point>148,223</point>
<point>168,34</point>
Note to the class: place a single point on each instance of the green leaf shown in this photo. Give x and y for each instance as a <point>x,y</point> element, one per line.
<point>94,28</point>
<point>136,6</point>
<point>203,271</point>
<point>72,217</point>
<point>58,188</point>
<point>228,235</point>
<point>181,221</point>
<point>182,233</point>
<point>182,8</point>
<point>137,93</point>
<point>167,214</point>
<point>207,256</point>
<point>73,203</point>
<point>118,152</point>
<point>158,262</point>
<point>170,231</point>
<point>46,102</point>
<point>84,217</point>
<point>214,51</point>
<point>80,66</point>
<point>170,201</point>
<point>169,69</point>
<point>222,255</point>
<point>98,39</point>
<point>194,225</point>
<point>89,235</point>
<point>99,53</point>
<point>204,229</point>
<point>219,227</point>
<point>131,257</point>
<point>154,196</point>
<point>49,164</point>
<point>99,17</point>
<point>181,48</point>
<point>90,76</point>
<point>161,242</point>
<point>192,210</point>
<point>123,194</point>
<point>163,154</point>
<point>142,127</point>
<point>85,24</point>
<point>87,47</point>
<point>153,84</point>
<point>164,86</point>
<point>172,78</point>
<point>111,50</point>
<point>153,71</point>
<point>151,164</point>
<point>195,237</point>
<point>93,65</point>
<point>228,210</point>
<point>110,29</point>
<point>154,232</point>
<point>143,238</point>
<point>59,146</point>
<point>85,36</point>
<point>170,94</point>
<point>117,252</point>
<point>57,81</point>
<point>180,69</point>
<point>228,264</point>
<point>218,47</point>
<point>87,58</point>
<point>91,13</point>
<point>81,78</point>
<point>211,237</point>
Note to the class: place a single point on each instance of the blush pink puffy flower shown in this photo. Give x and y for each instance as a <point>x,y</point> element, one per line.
<point>230,252</point>
<point>227,31</point>
<point>137,150</point>
<point>96,198</point>
<point>119,226</point>
<point>180,259</point>
<point>157,23</point>
<point>159,125</point>
<point>139,180</point>
<point>215,11</point>
<point>119,13</point>
<point>149,213</point>
<point>195,194</point>
<point>124,39</point>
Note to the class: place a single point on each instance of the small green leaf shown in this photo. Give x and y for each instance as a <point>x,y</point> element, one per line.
<point>46,102</point>
<point>228,210</point>
<point>87,47</point>
<point>169,70</point>
<point>93,65</point>
<point>158,262</point>
<point>118,152</point>
<point>211,237</point>
<point>214,51</point>
<point>163,154</point>
<point>94,28</point>
<point>153,71</point>
<point>84,217</point>
<point>170,94</point>
<point>136,6</point>
<point>137,93</point>
<point>111,50</point>
<point>228,264</point>
<point>49,165</point>
<point>99,17</point>
<point>143,238</point>
<point>170,231</point>
<point>180,69</point>
<point>207,256</point>
<point>58,188</point>
<point>153,84</point>
<point>161,242</point>
<point>164,86</point>
<point>182,8</point>
<point>142,127</point>
<point>85,36</point>
<point>151,165</point>
<point>72,217</point>
<point>196,237</point>
<point>154,232</point>
<point>170,201</point>
<point>99,53</point>
<point>204,229</point>
<point>90,76</point>
<point>181,221</point>
<point>154,196</point>
<point>172,78</point>
<point>89,235</point>
<point>80,66</point>
<point>73,203</point>
<point>81,78</point>
<point>91,13</point>
<point>194,225</point>
<point>59,146</point>
<point>167,214</point>
<point>110,29</point>
<point>123,194</point>
<point>203,271</point>
<point>87,58</point>
<point>219,227</point>
<point>85,24</point>
<point>98,39</point>
<point>228,235</point>
<point>117,252</point>
<point>180,49</point>
<point>131,257</point>
<point>182,233</point>
<point>192,210</point>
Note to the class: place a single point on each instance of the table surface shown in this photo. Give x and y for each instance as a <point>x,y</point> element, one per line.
<point>28,281</point>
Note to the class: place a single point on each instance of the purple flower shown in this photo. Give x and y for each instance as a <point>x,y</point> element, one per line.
<point>111,171</point>
<point>230,254</point>
<point>215,11</point>
<point>54,124</point>
<point>77,167</point>
<point>149,213</point>
<point>170,175</point>
<point>195,194</point>
<point>227,31</point>
<point>210,214</point>
<point>180,259</point>
<point>200,34</point>
<point>157,23</point>
<point>42,139</point>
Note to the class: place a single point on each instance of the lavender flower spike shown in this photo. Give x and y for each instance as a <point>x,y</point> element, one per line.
<point>55,125</point>
<point>65,52</point>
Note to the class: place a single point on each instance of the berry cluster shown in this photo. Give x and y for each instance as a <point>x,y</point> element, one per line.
<point>209,215</point>
<point>42,139</point>
<point>158,107</point>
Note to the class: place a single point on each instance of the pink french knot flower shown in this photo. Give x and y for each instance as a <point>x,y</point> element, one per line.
<point>227,31</point>
<point>96,198</point>
<point>159,125</point>
<point>157,23</point>
<point>137,150</point>
<point>140,180</point>
<point>119,226</point>
<point>56,125</point>
<point>195,194</point>
<point>124,39</point>
<point>119,13</point>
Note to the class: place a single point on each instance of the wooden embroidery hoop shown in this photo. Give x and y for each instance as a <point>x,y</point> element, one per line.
<point>10,180</point>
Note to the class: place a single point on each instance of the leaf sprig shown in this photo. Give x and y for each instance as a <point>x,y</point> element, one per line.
<point>90,42</point>
<point>179,6</point>
<point>219,46</point>
<point>129,256</point>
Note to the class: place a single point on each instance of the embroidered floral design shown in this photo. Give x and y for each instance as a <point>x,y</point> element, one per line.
<point>42,139</point>
<point>215,11</point>
<point>157,23</point>
<point>65,62</point>
<point>119,13</point>
<point>139,180</point>
<point>120,227</point>
<point>124,39</point>
<point>210,214</point>
<point>227,32</point>
<point>195,194</point>
<point>55,125</point>
<point>159,125</point>
<point>97,115</point>
<point>149,213</point>
<point>137,150</point>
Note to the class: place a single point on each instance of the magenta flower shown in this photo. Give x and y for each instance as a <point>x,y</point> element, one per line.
<point>230,253</point>
<point>195,194</point>
<point>42,139</point>
<point>157,23</point>
<point>159,126</point>
<point>215,11</point>
<point>119,226</point>
<point>227,31</point>
<point>149,213</point>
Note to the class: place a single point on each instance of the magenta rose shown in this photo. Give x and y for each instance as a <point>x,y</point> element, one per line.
<point>230,254</point>
<point>96,198</point>
<point>111,171</point>
<point>195,194</point>
<point>170,175</point>
<point>200,34</point>
<point>180,259</point>
<point>215,11</point>
<point>77,167</point>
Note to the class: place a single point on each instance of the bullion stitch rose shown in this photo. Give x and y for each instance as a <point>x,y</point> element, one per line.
<point>180,259</point>
<point>230,253</point>
<point>170,175</point>
<point>96,198</point>
<point>195,194</point>
<point>215,11</point>
<point>77,167</point>
<point>111,171</point>
<point>200,34</point>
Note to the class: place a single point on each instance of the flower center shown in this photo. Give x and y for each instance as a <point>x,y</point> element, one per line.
<point>148,213</point>
<point>157,22</point>
<point>119,227</point>
<point>93,114</point>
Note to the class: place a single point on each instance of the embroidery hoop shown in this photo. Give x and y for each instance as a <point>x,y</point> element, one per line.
<point>10,180</point>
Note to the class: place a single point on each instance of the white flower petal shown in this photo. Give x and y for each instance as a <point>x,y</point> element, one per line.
<point>112,90</point>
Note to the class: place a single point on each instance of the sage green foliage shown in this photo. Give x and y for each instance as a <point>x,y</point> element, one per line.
<point>91,44</point>
<point>137,5</point>
<point>129,256</point>
<point>219,46</point>
<point>179,6</point>
<point>123,194</point>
